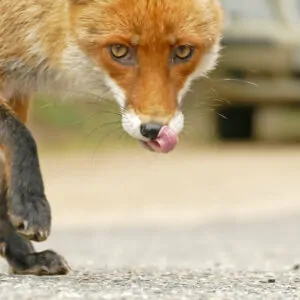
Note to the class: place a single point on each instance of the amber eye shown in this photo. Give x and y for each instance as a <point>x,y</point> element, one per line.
<point>119,51</point>
<point>183,53</point>
<point>123,54</point>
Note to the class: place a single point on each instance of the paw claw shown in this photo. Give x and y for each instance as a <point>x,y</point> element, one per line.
<point>25,225</point>
<point>45,263</point>
<point>30,215</point>
<point>19,225</point>
<point>41,236</point>
<point>2,249</point>
<point>45,270</point>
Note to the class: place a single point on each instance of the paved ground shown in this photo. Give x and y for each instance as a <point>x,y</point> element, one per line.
<point>217,224</point>
<point>213,261</point>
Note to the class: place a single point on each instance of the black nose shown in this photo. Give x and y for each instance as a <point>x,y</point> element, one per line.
<point>150,130</point>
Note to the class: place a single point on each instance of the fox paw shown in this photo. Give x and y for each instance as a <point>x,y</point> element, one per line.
<point>30,215</point>
<point>45,263</point>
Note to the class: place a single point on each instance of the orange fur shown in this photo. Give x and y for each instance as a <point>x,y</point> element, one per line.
<point>20,106</point>
<point>65,42</point>
<point>152,27</point>
<point>64,45</point>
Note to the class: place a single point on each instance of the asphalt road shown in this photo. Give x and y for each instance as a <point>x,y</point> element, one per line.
<point>252,260</point>
<point>219,225</point>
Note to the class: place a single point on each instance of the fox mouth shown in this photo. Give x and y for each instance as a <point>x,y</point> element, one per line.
<point>165,142</point>
<point>156,135</point>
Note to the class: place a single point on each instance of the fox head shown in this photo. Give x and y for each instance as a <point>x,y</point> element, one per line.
<point>149,52</point>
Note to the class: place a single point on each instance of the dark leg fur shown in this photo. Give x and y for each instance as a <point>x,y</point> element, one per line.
<point>28,208</point>
<point>19,252</point>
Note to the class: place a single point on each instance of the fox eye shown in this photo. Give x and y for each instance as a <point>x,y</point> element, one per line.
<point>121,54</point>
<point>119,51</point>
<point>183,53</point>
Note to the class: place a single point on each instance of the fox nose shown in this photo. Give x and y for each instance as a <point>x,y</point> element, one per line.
<point>151,130</point>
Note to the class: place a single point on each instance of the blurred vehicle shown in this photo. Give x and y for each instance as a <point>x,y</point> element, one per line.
<point>260,62</point>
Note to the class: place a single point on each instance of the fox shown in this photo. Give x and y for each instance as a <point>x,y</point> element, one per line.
<point>145,53</point>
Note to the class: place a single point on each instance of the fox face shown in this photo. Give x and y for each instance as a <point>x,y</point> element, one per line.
<point>149,52</point>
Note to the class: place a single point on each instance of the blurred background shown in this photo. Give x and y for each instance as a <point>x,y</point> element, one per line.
<point>239,155</point>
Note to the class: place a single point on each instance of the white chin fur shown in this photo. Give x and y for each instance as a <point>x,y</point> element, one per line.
<point>177,123</point>
<point>131,124</point>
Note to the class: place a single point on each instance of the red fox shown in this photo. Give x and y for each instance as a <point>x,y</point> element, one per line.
<point>146,52</point>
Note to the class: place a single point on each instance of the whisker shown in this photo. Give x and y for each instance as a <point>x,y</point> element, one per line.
<point>106,136</point>
<point>105,125</point>
<point>222,116</point>
<point>83,120</point>
<point>234,79</point>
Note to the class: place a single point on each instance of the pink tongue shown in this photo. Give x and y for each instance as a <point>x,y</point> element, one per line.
<point>166,141</point>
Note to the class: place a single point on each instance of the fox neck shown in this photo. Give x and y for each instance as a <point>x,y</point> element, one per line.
<point>46,58</point>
